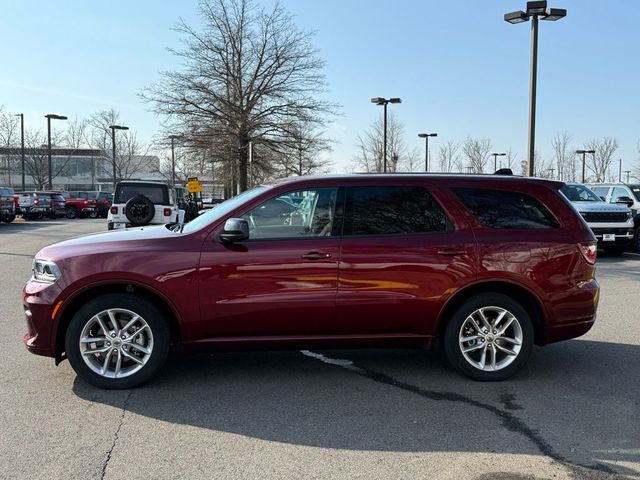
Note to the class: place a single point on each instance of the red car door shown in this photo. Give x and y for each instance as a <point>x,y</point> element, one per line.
<point>283,280</point>
<point>402,256</point>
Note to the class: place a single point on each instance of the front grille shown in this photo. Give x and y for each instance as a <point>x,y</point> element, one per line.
<point>615,231</point>
<point>603,217</point>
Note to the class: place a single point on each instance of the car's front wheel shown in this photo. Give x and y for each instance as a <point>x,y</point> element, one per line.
<point>117,341</point>
<point>489,337</point>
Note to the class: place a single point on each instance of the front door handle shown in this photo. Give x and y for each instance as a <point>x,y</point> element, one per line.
<point>451,252</point>
<point>316,255</point>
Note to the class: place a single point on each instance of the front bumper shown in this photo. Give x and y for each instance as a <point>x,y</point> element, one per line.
<point>39,301</point>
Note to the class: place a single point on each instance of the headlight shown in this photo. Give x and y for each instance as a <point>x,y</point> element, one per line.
<point>45,271</point>
<point>629,215</point>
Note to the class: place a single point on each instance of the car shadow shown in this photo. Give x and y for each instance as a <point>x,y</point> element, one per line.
<point>575,402</point>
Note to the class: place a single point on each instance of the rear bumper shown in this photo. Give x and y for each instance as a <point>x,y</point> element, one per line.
<point>575,313</point>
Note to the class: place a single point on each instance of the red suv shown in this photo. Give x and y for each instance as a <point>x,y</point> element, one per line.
<point>486,265</point>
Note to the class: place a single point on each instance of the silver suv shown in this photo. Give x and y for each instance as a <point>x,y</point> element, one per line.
<point>611,224</point>
<point>622,194</point>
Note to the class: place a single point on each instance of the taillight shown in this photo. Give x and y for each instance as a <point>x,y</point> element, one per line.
<point>85,202</point>
<point>167,212</point>
<point>589,252</point>
<point>36,202</point>
<point>114,210</point>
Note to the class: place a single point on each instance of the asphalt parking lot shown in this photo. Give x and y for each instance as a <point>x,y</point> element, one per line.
<point>376,414</point>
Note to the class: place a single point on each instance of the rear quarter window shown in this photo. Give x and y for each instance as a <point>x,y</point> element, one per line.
<point>506,209</point>
<point>158,194</point>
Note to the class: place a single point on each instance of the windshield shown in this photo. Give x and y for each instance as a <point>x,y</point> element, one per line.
<point>579,193</point>
<point>222,209</point>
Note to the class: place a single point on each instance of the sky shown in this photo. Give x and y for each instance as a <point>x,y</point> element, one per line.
<point>459,68</point>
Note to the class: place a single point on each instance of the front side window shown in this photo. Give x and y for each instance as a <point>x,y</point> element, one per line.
<point>304,213</point>
<point>617,193</point>
<point>392,210</point>
<point>506,209</point>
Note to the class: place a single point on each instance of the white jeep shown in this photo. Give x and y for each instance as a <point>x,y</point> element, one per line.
<point>138,203</point>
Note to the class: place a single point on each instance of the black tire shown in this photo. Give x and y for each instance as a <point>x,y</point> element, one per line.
<point>139,210</point>
<point>453,349</point>
<point>155,320</point>
<point>93,214</point>
<point>636,239</point>
<point>71,212</point>
<point>9,219</point>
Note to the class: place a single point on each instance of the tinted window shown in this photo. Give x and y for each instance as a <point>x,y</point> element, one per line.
<point>636,190</point>
<point>158,194</point>
<point>279,217</point>
<point>579,193</point>
<point>505,209</point>
<point>392,210</point>
<point>601,191</point>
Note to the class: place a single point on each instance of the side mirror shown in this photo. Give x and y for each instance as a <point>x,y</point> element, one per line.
<point>625,201</point>
<point>235,230</point>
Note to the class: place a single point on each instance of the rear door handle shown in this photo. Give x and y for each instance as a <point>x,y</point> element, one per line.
<point>316,255</point>
<point>451,252</point>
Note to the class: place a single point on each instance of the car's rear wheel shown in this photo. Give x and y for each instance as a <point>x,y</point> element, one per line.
<point>71,212</point>
<point>489,337</point>
<point>117,341</point>
<point>8,219</point>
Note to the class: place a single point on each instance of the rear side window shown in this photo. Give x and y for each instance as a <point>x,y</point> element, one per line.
<point>506,209</point>
<point>158,194</point>
<point>391,210</point>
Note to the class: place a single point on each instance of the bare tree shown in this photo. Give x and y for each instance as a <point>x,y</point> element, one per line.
<point>249,72</point>
<point>635,169</point>
<point>599,162</point>
<point>564,156</point>
<point>449,156</point>
<point>476,152</point>
<point>132,156</point>
<point>37,161</point>
<point>370,156</point>
<point>9,135</point>
<point>300,153</point>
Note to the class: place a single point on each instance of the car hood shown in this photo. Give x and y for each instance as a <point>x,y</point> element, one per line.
<point>113,241</point>
<point>599,207</point>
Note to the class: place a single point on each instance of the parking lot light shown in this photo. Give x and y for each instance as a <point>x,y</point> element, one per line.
<point>583,153</point>
<point>384,102</point>
<point>535,10</point>
<point>426,148</point>
<point>495,160</point>
<point>113,145</point>
<point>49,117</point>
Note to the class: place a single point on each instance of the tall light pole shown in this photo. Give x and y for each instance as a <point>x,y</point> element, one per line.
<point>384,102</point>
<point>49,117</point>
<point>620,170</point>
<point>21,115</point>
<point>113,152</point>
<point>583,153</point>
<point>173,159</point>
<point>426,148</point>
<point>495,160</point>
<point>535,10</point>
